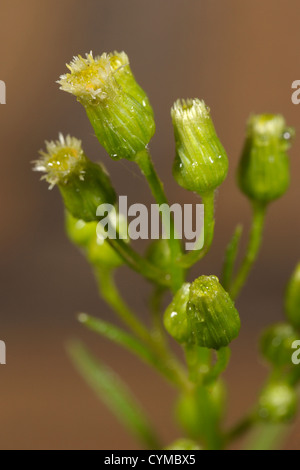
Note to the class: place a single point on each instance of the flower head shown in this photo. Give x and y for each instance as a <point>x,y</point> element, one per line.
<point>62,157</point>
<point>117,107</point>
<point>84,185</point>
<point>92,79</point>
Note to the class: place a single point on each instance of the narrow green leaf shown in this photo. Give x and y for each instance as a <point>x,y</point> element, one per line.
<point>114,393</point>
<point>117,336</point>
<point>230,257</point>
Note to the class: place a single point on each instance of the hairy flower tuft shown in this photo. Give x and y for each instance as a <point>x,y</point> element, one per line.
<point>189,110</point>
<point>92,79</point>
<point>62,157</point>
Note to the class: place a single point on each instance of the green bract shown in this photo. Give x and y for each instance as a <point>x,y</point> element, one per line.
<point>117,107</point>
<point>201,163</point>
<point>264,170</point>
<point>213,318</point>
<point>175,319</point>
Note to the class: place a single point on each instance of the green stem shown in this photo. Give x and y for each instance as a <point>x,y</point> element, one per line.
<point>110,294</point>
<point>239,429</point>
<point>223,357</point>
<point>188,260</point>
<point>137,263</point>
<point>230,258</point>
<point>147,168</point>
<point>259,214</point>
<point>199,362</point>
<point>169,364</point>
<point>155,305</point>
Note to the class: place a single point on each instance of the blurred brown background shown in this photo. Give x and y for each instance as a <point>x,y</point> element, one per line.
<point>241,57</point>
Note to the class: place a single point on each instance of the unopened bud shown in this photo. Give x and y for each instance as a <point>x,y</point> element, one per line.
<point>264,170</point>
<point>276,344</point>
<point>175,319</point>
<point>213,318</point>
<point>201,163</point>
<point>117,107</point>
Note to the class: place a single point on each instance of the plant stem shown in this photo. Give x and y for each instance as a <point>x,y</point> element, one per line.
<point>168,364</point>
<point>240,429</point>
<point>137,263</point>
<point>147,168</point>
<point>255,239</point>
<point>230,258</point>
<point>110,294</point>
<point>155,306</point>
<point>188,260</point>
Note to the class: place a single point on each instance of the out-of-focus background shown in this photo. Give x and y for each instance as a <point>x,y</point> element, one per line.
<point>241,57</point>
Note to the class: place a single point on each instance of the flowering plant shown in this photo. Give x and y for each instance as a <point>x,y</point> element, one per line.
<point>202,316</point>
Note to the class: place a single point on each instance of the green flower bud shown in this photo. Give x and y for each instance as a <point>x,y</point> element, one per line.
<point>101,254</point>
<point>79,232</point>
<point>184,444</point>
<point>159,254</point>
<point>175,318</point>
<point>213,318</point>
<point>84,185</point>
<point>201,163</point>
<point>292,298</point>
<point>264,169</point>
<point>278,402</point>
<point>276,344</point>
<point>117,107</point>
<point>84,234</point>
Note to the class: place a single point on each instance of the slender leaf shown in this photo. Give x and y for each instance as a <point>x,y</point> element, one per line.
<point>230,257</point>
<point>117,336</point>
<point>115,394</point>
